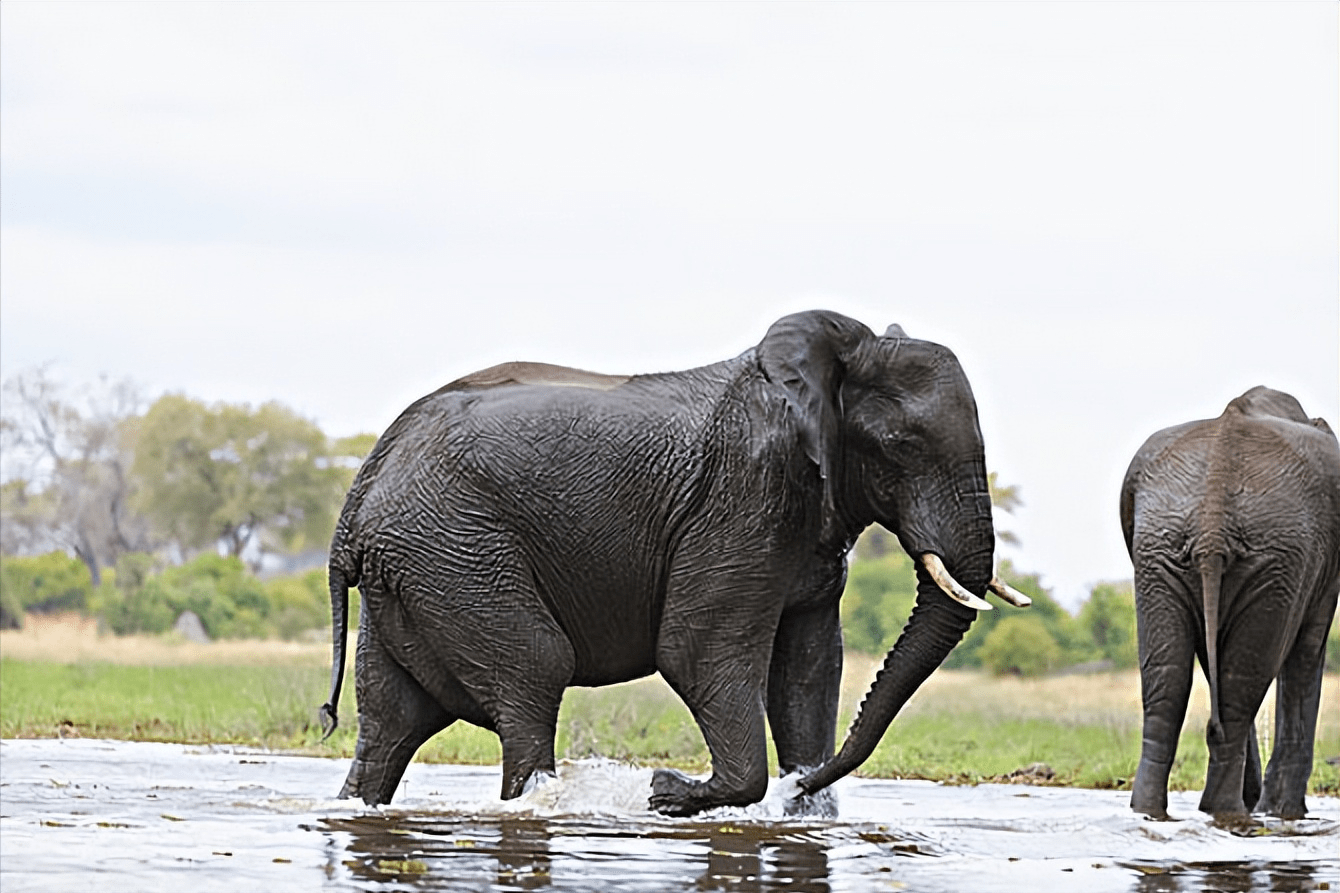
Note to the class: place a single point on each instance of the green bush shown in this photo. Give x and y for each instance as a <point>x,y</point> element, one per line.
<point>1021,645</point>
<point>230,602</point>
<point>1062,629</point>
<point>139,595</point>
<point>45,583</point>
<point>11,609</point>
<point>878,599</point>
<point>1108,618</point>
<point>299,604</point>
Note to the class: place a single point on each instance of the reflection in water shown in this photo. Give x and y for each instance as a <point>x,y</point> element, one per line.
<point>453,853</point>
<point>1235,877</point>
<point>752,857</point>
<point>157,816</point>
<point>400,850</point>
<point>523,854</point>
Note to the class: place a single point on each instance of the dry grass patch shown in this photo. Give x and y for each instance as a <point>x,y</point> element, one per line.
<point>72,639</point>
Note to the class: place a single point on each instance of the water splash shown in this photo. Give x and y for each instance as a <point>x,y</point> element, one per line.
<point>140,815</point>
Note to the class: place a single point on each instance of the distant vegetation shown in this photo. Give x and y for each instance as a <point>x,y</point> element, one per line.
<point>136,514</point>
<point>95,474</point>
<point>140,595</point>
<point>882,588</point>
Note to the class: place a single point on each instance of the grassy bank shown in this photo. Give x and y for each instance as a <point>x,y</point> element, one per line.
<point>962,726</point>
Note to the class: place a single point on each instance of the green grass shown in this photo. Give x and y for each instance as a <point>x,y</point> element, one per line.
<point>265,706</point>
<point>964,729</point>
<point>969,749</point>
<point>276,707</point>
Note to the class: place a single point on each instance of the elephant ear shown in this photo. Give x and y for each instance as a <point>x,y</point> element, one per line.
<point>806,355</point>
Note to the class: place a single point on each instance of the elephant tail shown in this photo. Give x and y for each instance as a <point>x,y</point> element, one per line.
<point>341,578</point>
<point>1211,585</point>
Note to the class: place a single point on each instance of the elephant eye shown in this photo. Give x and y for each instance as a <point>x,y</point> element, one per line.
<point>892,437</point>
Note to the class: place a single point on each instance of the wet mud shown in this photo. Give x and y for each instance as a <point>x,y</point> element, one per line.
<point>135,816</point>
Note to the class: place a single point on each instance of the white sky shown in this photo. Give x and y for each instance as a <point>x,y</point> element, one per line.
<point>1118,215</point>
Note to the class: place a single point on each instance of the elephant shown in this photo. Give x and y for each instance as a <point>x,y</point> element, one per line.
<point>531,527</point>
<point>1233,528</point>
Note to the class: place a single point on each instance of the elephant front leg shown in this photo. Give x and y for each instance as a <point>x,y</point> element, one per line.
<point>723,687</point>
<point>804,680</point>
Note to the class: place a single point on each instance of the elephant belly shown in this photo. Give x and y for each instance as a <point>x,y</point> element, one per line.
<point>612,632</point>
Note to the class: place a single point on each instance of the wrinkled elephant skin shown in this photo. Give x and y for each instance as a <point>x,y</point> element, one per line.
<point>531,527</point>
<point>1233,525</point>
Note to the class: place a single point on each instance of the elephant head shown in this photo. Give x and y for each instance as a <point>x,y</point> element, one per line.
<point>892,425</point>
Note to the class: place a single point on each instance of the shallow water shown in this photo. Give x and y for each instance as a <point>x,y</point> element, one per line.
<point>134,816</point>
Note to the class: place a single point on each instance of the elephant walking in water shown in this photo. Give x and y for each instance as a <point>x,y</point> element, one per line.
<point>530,527</point>
<point>1233,525</point>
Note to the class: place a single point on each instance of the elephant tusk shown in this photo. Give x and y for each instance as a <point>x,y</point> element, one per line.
<point>1008,593</point>
<point>936,568</point>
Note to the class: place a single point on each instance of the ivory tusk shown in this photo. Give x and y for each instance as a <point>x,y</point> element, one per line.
<point>1008,593</point>
<point>936,568</point>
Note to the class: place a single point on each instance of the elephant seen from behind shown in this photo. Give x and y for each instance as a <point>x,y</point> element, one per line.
<point>1233,525</point>
<point>532,527</point>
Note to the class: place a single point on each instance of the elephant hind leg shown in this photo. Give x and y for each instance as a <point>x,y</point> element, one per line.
<point>1167,640</point>
<point>395,717</point>
<point>1297,700</point>
<point>506,673</point>
<point>1251,773</point>
<point>528,691</point>
<point>1232,777</point>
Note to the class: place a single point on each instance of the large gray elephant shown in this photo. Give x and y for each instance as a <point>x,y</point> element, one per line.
<point>531,527</point>
<point>1233,525</point>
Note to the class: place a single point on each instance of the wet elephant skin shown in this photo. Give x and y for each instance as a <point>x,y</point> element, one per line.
<point>531,527</point>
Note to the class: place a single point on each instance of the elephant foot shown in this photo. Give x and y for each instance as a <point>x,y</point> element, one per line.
<point>821,804</point>
<point>373,783</point>
<point>538,779</point>
<point>1239,823</point>
<point>1155,808</point>
<point>673,793</point>
<point>1149,792</point>
<point>354,786</point>
<point>1286,811</point>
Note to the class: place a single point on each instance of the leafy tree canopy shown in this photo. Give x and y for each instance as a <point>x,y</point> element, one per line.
<point>236,474</point>
<point>67,455</point>
<point>1108,617</point>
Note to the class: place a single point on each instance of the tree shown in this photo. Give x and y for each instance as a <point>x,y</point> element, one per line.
<point>67,468</point>
<point>881,590</point>
<point>264,478</point>
<point>1021,645</point>
<point>29,514</point>
<point>1109,619</point>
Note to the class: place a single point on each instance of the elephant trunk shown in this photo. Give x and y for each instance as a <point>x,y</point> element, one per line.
<point>936,626</point>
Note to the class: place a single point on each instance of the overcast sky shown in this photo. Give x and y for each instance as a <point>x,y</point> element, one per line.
<point>1118,215</point>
